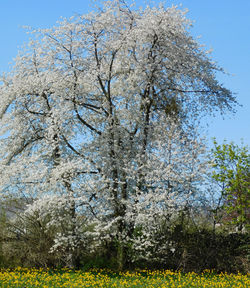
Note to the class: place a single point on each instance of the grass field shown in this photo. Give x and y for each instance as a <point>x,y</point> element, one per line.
<point>27,278</point>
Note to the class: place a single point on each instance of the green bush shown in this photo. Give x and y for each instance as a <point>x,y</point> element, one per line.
<point>178,246</point>
<point>199,250</point>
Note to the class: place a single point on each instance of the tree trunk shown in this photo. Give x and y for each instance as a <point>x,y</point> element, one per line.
<point>120,255</point>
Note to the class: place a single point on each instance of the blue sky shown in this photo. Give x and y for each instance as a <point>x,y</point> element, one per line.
<point>223,25</point>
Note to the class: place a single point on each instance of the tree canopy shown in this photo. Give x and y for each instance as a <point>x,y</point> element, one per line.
<point>231,170</point>
<point>101,110</point>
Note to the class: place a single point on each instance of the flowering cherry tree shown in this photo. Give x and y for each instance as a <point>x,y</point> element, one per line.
<point>100,111</point>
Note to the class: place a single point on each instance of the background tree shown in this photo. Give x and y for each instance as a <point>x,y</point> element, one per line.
<point>231,165</point>
<point>102,110</point>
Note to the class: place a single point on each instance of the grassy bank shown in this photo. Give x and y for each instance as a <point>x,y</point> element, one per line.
<point>27,278</point>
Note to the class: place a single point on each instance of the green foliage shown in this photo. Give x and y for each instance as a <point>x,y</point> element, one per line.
<point>178,246</point>
<point>231,170</point>
<point>197,250</point>
<point>2,229</point>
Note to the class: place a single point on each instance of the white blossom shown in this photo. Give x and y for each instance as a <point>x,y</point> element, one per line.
<point>99,116</point>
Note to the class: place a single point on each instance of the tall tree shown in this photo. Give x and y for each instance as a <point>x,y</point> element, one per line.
<point>101,109</point>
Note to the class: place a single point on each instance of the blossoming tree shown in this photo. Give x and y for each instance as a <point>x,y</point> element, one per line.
<point>101,110</point>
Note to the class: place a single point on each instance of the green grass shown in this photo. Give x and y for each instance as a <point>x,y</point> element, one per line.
<point>27,278</point>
